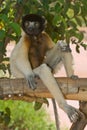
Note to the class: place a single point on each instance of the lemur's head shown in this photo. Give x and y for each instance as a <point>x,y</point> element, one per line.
<point>33,24</point>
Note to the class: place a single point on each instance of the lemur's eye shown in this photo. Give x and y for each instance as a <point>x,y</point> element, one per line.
<point>37,24</point>
<point>26,23</point>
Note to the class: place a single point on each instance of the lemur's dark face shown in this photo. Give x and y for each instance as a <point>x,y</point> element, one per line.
<point>32,27</point>
<point>33,24</point>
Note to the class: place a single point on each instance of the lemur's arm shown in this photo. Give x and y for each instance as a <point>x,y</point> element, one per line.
<point>21,61</point>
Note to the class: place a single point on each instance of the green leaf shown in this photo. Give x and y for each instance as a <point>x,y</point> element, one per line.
<point>45,4</point>
<point>16,28</point>
<point>46,101</point>
<point>84,46</point>
<point>79,36</point>
<point>3,67</point>
<point>72,24</point>
<point>4,18</point>
<point>7,109</point>
<point>6,119</point>
<point>76,9</point>
<point>71,32</point>
<point>77,48</point>
<point>1,46</point>
<point>19,1</point>
<point>56,19</point>
<point>1,116</point>
<point>84,9</point>
<point>85,21</point>
<point>61,1</point>
<point>2,34</point>
<point>13,37</point>
<point>57,8</point>
<point>70,13</point>
<point>6,59</point>
<point>79,21</point>
<point>37,105</point>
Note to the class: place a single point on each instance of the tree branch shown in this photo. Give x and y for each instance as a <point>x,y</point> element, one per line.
<point>72,89</point>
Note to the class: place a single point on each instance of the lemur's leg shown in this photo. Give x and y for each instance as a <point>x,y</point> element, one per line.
<point>49,81</point>
<point>60,54</point>
<point>53,58</point>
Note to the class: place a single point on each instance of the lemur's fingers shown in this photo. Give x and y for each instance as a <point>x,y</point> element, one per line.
<point>74,114</point>
<point>31,82</point>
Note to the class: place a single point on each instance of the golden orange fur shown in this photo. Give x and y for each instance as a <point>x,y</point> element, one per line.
<point>38,47</point>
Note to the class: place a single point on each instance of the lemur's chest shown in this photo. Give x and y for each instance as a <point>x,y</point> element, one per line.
<point>37,52</point>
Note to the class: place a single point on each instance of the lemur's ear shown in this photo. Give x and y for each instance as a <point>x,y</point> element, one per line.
<point>44,21</point>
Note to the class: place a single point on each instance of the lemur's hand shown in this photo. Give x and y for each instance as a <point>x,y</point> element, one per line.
<point>31,81</point>
<point>74,77</point>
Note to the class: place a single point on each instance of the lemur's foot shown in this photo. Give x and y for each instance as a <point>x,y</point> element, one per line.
<point>73,113</point>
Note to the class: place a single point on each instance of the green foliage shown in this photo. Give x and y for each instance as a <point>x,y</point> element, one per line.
<point>22,116</point>
<point>5,116</point>
<point>57,13</point>
<point>8,30</point>
<point>63,16</point>
<point>15,27</point>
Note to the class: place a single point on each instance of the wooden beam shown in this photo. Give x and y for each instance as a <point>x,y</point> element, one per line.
<point>15,88</point>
